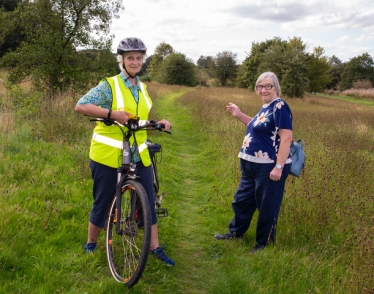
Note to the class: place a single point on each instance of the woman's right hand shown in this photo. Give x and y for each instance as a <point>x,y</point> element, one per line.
<point>121,116</point>
<point>233,109</point>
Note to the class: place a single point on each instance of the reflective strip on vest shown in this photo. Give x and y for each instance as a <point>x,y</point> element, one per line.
<point>142,147</point>
<point>107,141</point>
<point>145,96</point>
<point>120,105</point>
<point>142,122</point>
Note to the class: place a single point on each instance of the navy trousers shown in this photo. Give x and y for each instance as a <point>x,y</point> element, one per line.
<point>257,191</point>
<point>104,188</point>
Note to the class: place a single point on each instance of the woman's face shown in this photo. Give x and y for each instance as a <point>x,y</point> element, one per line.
<point>265,88</point>
<point>133,62</point>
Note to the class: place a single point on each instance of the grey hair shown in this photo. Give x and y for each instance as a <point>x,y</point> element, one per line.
<point>273,77</point>
<point>120,60</point>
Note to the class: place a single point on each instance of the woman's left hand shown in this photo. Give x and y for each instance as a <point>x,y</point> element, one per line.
<point>165,123</point>
<point>275,174</point>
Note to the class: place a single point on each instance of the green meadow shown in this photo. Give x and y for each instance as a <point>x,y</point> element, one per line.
<point>326,225</point>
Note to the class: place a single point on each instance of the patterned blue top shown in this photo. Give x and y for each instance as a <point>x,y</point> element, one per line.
<point>261,142</point>
<point>101,96</point>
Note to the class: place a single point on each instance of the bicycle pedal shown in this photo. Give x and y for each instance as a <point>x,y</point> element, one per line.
<point>162,212</point>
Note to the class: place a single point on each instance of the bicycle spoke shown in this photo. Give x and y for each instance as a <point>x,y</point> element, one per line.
<point>127,251</point>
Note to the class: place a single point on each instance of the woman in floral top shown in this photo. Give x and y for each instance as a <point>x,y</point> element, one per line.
<point>264,163</point>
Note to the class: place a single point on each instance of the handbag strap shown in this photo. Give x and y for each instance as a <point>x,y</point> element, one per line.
<point>300,142</point>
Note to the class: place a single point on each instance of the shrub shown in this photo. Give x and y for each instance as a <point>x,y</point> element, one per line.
<point>362,84</point>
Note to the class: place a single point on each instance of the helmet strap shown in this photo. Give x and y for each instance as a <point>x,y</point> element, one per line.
<point>124,67</point>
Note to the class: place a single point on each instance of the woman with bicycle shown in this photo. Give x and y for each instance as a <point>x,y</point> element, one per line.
<point>120,98</point>
<point>264,162</point>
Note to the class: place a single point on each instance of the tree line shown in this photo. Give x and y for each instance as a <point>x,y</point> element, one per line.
<point>57,44</point>
<point>64,44</point>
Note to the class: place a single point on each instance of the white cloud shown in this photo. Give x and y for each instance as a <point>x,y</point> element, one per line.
<point>199,27</point>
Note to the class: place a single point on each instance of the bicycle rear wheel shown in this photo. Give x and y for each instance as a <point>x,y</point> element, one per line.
<point>127,250</point>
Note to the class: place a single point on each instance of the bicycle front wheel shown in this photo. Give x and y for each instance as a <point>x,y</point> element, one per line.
<point>128,248</point>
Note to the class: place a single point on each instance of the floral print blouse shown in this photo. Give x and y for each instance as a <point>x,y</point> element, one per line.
<point>261,142</point>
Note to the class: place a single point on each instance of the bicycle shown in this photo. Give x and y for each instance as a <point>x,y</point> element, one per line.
<point>154,148</point>
<point>128,224</point>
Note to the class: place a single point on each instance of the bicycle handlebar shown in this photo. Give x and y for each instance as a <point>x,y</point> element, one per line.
<point>133,124</point>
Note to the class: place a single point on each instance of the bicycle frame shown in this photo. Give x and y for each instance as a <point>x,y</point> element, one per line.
<point>153,149</point>
<point>128,168</point>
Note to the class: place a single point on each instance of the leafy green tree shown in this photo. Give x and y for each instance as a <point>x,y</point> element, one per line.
<point>335,72</point>
<point>286,59</point>
<point>225,67</point>
<point>205,61</point>
<point>294,80</point>
<point>275,58</point>
<point>203,77</point>
<point>54,30</point>
<point>100,64</point>
<point>146,64</point>
<point>250,71</point>
<point>205,68</point>
<point>162,51</point>
<point>9,5</point>
<point>356,69</point>
<point>238,81</point>
<point>318,70</point>
<point>11,36</point>
<point>176,69</point>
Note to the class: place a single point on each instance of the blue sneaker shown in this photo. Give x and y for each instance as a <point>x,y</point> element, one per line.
<point>89,247</point>
<point>160,255</point>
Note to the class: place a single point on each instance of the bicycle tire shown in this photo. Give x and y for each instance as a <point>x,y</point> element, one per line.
<point>127,252</point>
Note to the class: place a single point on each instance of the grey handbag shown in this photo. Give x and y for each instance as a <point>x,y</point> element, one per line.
<point>297,155</point>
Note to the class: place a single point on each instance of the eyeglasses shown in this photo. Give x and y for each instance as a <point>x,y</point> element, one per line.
<point>267,87</point>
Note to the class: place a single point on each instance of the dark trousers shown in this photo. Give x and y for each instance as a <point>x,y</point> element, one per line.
<point>257,191</point>
<point>104,188</point>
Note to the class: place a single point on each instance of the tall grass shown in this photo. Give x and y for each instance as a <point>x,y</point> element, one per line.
<point>355,92</point>
<point>362,93</point>
<point>329,210</point>
<point>325,231</point>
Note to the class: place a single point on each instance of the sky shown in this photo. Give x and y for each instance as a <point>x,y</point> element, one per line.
<point>344,28</point>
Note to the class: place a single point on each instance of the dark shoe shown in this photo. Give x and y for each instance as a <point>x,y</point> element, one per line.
<point>227,236</point>
<point>256,248</point>
<point>89,247</point>
<point>160,255</point>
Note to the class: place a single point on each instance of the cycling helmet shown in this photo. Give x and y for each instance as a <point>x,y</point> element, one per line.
<point>131,45</point>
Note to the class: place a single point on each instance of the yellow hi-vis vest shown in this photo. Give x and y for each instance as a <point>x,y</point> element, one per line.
<point>107,141</point>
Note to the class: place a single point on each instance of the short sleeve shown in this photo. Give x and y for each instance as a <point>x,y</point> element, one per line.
<point>283,115</point>
<point>101,96</point>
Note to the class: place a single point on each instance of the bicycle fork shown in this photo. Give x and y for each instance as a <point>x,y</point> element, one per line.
<point>126,166</point>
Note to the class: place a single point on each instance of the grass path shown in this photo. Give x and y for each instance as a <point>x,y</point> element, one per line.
<point>186,197</point>
<point>46,188</point>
